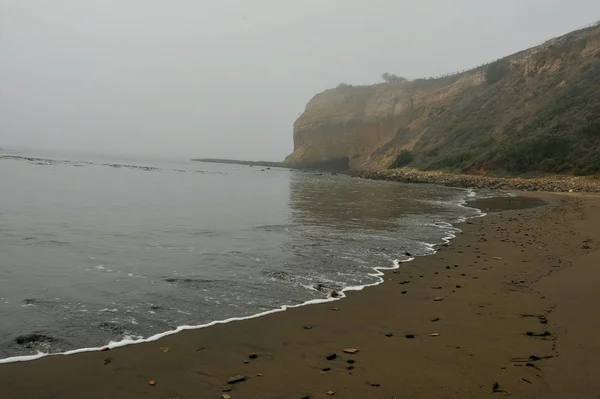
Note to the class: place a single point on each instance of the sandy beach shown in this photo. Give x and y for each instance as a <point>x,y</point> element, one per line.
<point>506,308</point>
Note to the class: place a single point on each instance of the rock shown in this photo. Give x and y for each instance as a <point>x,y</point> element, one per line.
<point>305,397</point>
<point>374,384</point>
<point>497,258</point>
<point>409,336</point>
<point>331,356</point>
<point>252,355</point>
<point>438,299</point>
<point>434,335</point>
<point>350,361</point>
<point>335,309</point>
<point>458,286</point>
<point>326,369</point>
<point>389,334</point>
<point>152,383</point>
<point>236,378</point>
<point>351,351</point>
<point>436,288</point>
<point>335,294</point>
<point>447,267</point>
<point>259,374</point>
<point>307,327</point>
<point>225,396</point>
<point>435,319</point>
<point>227,388</point>
<point>349,366</point>
<point>495,387</point>
<point>330,393</point>
<point>403,292</point>
<point>246,362</point>
<point>105,349</point>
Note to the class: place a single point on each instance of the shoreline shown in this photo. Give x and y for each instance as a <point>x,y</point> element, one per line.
<point>553,183</point>
<point>488,279</point>
<point>378,272</point>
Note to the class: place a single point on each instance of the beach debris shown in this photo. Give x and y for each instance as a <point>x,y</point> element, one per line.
<point>252,355</point>
<point>307,327</point>
<point>227,388</point>
<point>331,356</point>
<point>389,335</point>
<point>438,299</point>
<point>409,336</point>
<point>236,378</point>
<point>434,335</point>
<point>335,309</point>
<point>544,334</point>
<point>106,348</point>
<point>496,387</point>
<point>351,351</point>
<point>435,319</point>
<point>330,393</point>
<point>436,287</point>
<point>201,348</point>
<point>152,383</point>
<point>108,360</point>
<point>164,349</point>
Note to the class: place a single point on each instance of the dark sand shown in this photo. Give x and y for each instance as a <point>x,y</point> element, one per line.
<point>515,269</point>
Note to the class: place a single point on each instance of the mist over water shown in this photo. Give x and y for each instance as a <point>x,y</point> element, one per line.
<point>96,249</point>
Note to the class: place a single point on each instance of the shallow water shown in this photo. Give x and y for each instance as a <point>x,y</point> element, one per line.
<point>101,249</point>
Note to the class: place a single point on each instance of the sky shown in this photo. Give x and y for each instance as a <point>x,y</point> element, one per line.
<point>227,78</point>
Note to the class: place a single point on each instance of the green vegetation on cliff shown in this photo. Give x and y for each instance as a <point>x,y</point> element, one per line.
<point>516,123</point>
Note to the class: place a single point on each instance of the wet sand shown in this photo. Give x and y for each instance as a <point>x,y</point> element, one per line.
<point>511,273</point>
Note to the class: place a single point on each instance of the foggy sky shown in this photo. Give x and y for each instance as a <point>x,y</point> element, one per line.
<point>227,78</point>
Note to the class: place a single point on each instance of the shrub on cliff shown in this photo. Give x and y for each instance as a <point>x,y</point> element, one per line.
<point>402,159</point>
<point>496,71</point>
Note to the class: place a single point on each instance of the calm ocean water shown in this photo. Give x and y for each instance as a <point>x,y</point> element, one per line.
<point>97,249</point>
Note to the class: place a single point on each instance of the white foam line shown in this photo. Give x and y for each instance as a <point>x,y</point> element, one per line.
<point>126,342</point>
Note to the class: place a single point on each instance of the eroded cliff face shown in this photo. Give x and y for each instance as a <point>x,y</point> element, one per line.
<point>366,127</point>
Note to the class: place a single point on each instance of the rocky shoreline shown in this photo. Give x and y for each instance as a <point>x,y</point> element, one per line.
<point>553,183</point>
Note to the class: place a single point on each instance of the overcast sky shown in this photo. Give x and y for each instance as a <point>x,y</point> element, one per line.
<point>227,78</point>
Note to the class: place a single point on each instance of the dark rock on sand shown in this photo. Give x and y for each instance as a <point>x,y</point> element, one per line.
<point>252,355</point>
<point>435,319</point>
<point>331,356</point>
<point>350,361</point>
<point>409,336</point>
<point>235,379</point>
<point>307,327</point>
<point>389,334</point>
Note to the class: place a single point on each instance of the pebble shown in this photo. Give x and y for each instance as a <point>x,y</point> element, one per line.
<point>350,361</point>
<point>351,351</point>
<point>438,299</point>
<point>104,349</point>
<point>305,397</point>
<point>409,336</point>
<point>227,388</point>
<point>435,319</point>
<point>236,378</point>
<point>374,384</point>
<point>349,366</point>
<point>403,292</point>
<point>330,393</point>
<point>326,369</point>
<point>259,374</point>
<point>331,356</point>
<point>152,383</point>
<point>335,309</point>
<point>389,334</point>
<point>436,288</point>
<point>458,286</point>
<point>225,396</point>
<point>252,355</point>
<point>307,327</point>
<point>434,335</point>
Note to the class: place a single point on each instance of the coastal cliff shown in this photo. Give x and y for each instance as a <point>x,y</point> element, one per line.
<point>537,110</point>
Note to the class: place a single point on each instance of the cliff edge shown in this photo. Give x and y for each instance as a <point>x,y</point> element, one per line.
<point>537,110</point>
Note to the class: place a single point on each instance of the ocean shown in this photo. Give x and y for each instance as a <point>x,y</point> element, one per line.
<point>98,250</point>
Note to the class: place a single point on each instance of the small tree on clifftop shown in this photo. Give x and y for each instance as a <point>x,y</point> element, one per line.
<point>391,78</point>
